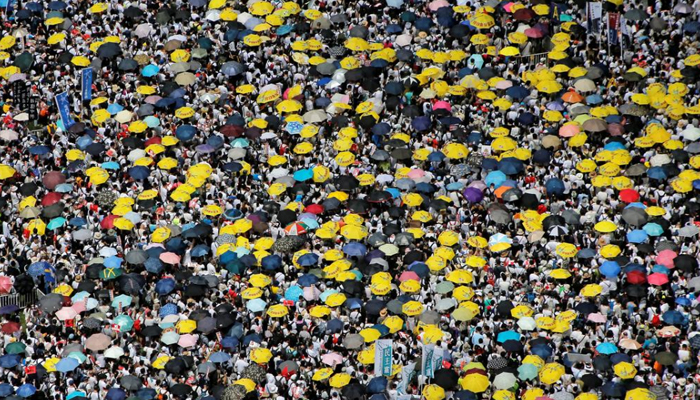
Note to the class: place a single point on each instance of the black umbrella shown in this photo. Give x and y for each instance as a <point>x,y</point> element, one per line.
<point>109,50</point>
<point>131,382</point>
<point>666,358</point>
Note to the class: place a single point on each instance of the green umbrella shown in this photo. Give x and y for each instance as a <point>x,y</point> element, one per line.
<point>78,356</point>
<point>125,322</point>
<point>56,223</point>
<point>110,273</point>
<point>444,287</point>
<point>24,61</point>
<point>15,348</point>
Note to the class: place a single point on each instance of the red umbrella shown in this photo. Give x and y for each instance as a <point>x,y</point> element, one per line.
<point>666,258</point>
<point>108,222</point>
<point>10,327</point>
<point>637,277</point>
<point>629,195</point>
<point>658,279</point>
<point>524,14</point>
<point>53,179</point>
<point>5,284</point>
<point>533,33</point>
<point>315,209</point>
<point>408,275</point>
<point>153,140</point>
<point>51,198</point>
<point>231,130</point>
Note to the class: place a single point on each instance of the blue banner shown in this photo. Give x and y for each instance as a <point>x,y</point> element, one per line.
<point>86,80</point>
<point>383,357</point>
<point>63,105</point>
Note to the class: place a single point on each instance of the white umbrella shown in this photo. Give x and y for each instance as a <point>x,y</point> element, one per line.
<point>107,252</point>
<point>136,154</point>
<point>278,173</point>
<point>8,134</point>
<point>114,352</point>
<point>504,380</point>
<point>691,133</point>
<point>659,160</point>
<point>21,117</point>
<point>237,153</point>
<point>527,323</point>
<point>135,218</point>
<point>264,136</point>
<point>403,40</point>
<point>124,116</point>
<point>143,30</point>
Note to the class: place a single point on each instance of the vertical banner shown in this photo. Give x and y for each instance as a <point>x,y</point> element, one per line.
<point>594,13</point>
<point>86,75</point>
<point>405,376</point>
<point>383,357</point>
<point>63,105</point>
<point>438,356</point>
<point>427,360</point>
<point>613,25</point>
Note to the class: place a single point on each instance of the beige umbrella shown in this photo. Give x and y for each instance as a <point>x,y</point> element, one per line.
<point>315,116</point>
<point>180,67</point>
<point>585,85</point>
<point>185,78</point>
<point>595,125</point>
<point>142,59</point>
<point>97,342</point>
<point>551,141</point>
<point>172,45</point>
<point>124,116</point>
<point>428,94</point>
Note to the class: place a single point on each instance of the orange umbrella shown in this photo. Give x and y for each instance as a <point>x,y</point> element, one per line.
<point>499,192</point>
<point>572,97</point>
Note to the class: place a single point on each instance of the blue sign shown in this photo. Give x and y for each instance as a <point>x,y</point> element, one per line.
<point>63,105</point>
<point>86,80</point>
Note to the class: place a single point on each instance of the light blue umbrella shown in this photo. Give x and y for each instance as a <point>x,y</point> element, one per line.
<point>527,372</point>
<point>508,335</point>
<point>114,108</point>
<point>606,348</point>
<point>121,301</point>
<point>152,121</point>
<point>653,229</point>
<point>125,322</point>
<point>293,293</point>
<point>256,305</point>
<point>219,357</point>
<point>78,356</point>
<point>110,165</point>
<point>113,262</point>
<point>310,223</point>
<point>495,178</point>
<point>76,393</point>
<point>80,296</point>
<point>56,223</point>
<point>240,143</point>
<point>67,364</point>
<point>64,188</point>
<point>637,236</point>
<point>150,70</point>
<point>170,337</point>
<point>327,293</point>
<point>303,175</point>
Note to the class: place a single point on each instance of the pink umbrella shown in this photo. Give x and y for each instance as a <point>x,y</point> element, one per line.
<point>569,130</point>
<point>5,284</point>
<point>438,4</point>
<point>503,85</point>
<point>658,279</point>
<point>152,99</point>
<point>66,313</point>
<point>666,258</point>
<point>533,33</point>
<point>311,293</point>
<point>442,105</point>
<point>478,184</point>
<point>187,340</point>
<point>509,6</point>
<point>409,275</point>
<point>170,258</point>
<point>598,318</point>
<point>332,359</point>
<point>416,173</point>
<point>79,306</point>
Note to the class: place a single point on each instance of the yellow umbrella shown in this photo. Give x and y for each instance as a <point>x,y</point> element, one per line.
<point>560,273</point>
<point>160,362</point>
<point>566,250</point>
<point>412,308</point>
<point>640,394</point>
<point>605,226</point>
<point>252,40</point>
<point>482,21</point>
<point>591,396</point>
<point>459,276</point>
<point>455,151</point>
<point>248,384</point>
<point>517,37</point>
<point>184,112</point>
<point>509,51</point>
<point>550,86</point>
<point>339,380</point>
<point>303,148</point>
<point>98,8</point>
<point>186,326</point>
<point>277,311</point>
<point>53,39</point>
<point>320,311</point>
<point>625,370</point>
<point>610,251</point>
<point>591,290</point>
<point>476,383</point>
<point>180,55</point>
<point>123,224</point>
<point>251,293</point>
<point>357,44</point>
<point>261,8</point>
<point>260,280</point>
<point>475,261</point>
<point>345,158</point>
<point>287,106</point>
<point>655,211</point>
<point>335,300</point>
<point>448,238</point>
<point>479,39</point>
<point>160,235</point>
<point>245,89</point>
<point>212,210</point>
<point>6,171</point>
<point>521,311</point>
<point>260,355</point>
<point>54,21</point>
<point>50,364</point>
<point>394,323</point>
<point>477,241</point>
<point>322,374</point>
<point>551,373</point>
<point>433,392</point>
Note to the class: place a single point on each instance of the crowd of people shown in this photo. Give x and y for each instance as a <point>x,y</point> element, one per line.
<point>349,200</point>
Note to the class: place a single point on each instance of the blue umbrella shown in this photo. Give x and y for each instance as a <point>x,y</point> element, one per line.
<point>307,280</point>
<point>256,305</point>
<point>657,173</point>
<point>28,389</point>
<point>153,265</point>
<point>495,178</point>
<point>271,262</point>
<point>335,325</point>
<point>56,223</point>
<point>612,146</point>
<point>683,301</point>
<point>64,188</point>
<point>421,123</point>
<point>150,70</point>
<point>253,337</point>
<point>620,357</point>
<point>475,61</point>
<point>39,150</point>
<point>165,286</point>
<point>511,166</point>
<point>555,187</point>
<point>67,364</point>
<point>609,269</point>
<point>542,350</point>
<point>168,309</point>
<point>38,268</point>
<point>284,29</point>
<point>421,269</point>
<point>308,260</point>
<point>219,357</point>
<point>57,5</point>
<point>436,156</point>
<point>508,335</point>
<point>542,156</point>
<point>653,229</point>
<point>606,348</point>
<point>454,186</point>
<point>230,342</point>
<point>594,99</point>
<point>377,385</point>
<point>673,317</point>
<point>114,108</point>
<point>200,250</point>
<point>121,301</point>
<point>185,132</point>
<point>115,394</point>
<point>489,164</point>
<point>113,262</point>
<point>146,393</point>
<point>125,322</point>
<point>517,92</point>
<point>10,360</point>
<point>526,118</point>
<point>355,249</point>
<point>423,24</point>
<point>304,175</point>
<point>637,236</point>
<point>636,204</point>
<point>139,172</point>
<point>660,269</point>
<point>77,221</point>
<point>111,165</point>
<point>527,372</point>
<point>6,389</point>
<point>293,293</point>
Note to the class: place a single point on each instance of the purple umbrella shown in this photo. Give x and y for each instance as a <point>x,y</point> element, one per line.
<point>473,195</point>
<point>205,149</point>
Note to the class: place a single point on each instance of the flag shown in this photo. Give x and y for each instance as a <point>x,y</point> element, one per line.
<point>427,360</point>
<point>405,376</point>
<point>383,357</point>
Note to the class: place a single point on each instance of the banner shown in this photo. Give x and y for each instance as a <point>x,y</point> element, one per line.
<point>86,80</point>
<point>383,357</point>
<point>405,376</point>
<point>613,26</point>
<point>63,105</point>
<point>594,13</point>
<point>438,356</point>
<point>427,360</point>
